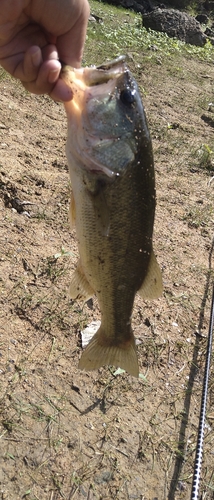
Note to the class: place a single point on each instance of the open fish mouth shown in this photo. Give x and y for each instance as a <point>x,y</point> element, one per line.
<point>113,63</point>
<point>93,81</point>
<point>91,76</point>
<point>106,72</point>
<point>91,86</point>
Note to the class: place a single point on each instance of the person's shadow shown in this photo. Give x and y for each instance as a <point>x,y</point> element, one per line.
<point>193,372</point>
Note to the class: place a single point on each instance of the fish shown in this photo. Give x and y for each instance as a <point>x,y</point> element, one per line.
<point>111,166</point>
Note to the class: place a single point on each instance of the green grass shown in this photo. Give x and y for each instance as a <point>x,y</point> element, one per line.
<point>62,429</point>
<point>121,31</point>
<point>199,215</point>
<point>205,157</point>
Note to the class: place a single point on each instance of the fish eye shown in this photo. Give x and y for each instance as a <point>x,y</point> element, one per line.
<point>127,97</point>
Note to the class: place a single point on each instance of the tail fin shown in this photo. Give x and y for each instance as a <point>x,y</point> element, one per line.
<point>98,354</point>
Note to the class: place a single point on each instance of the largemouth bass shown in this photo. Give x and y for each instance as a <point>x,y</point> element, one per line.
<point>111,167</point>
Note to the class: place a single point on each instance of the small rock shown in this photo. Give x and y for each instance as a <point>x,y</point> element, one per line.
<point>181,486</point>
<point>104,477</point>
<point>88,332</point>
<point>94,18</point>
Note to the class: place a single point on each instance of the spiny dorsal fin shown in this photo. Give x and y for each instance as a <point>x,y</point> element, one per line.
<point>152,286</point>
<point>79,287</point>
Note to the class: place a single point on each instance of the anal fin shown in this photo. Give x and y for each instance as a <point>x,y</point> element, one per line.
<point>80,287</point>
<point>152,286</point>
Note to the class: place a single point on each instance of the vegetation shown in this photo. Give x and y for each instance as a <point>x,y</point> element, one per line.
<point>122,32</point>
<point>66,434</point>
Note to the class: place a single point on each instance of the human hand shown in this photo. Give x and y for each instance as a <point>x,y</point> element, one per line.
<point>35,35</point>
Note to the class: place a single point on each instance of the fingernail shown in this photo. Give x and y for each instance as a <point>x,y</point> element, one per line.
<point>53,76</point>
<point>36,58</point>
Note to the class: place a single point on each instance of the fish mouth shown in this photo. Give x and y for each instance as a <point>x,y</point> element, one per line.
<point>94,75</point>
<point>81,81</point>
<point>106,72</point>
<point>113,63</point>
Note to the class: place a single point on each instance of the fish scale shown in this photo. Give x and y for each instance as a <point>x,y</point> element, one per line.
<point>111,168</point>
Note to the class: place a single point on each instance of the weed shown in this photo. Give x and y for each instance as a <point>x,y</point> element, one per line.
<point>65,432</point>
<point>123,34</point>
<point>41,215</point>
<point>199,215</point>
<point>64,253</point>
<point>205,157</point>
<point>51,268</point>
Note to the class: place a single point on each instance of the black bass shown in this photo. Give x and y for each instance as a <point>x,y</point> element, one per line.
<point>110,159</point>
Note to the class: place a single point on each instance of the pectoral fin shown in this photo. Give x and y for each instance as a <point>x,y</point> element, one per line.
<point>80,287</point>
<point>152,286</point>
<point>96,190</point>
<point>72,212</point>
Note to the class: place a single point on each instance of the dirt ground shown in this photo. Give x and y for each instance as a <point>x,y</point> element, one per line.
<point>71,434</point>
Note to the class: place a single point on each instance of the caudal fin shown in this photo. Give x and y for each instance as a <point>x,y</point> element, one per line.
<point>98,354</point>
